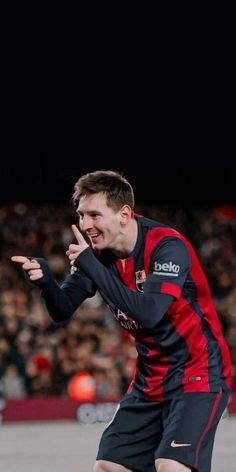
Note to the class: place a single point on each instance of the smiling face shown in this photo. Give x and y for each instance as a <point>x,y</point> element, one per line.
<point>103,225</point>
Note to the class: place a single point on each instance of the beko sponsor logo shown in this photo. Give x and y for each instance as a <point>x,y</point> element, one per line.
<point>167,268</point>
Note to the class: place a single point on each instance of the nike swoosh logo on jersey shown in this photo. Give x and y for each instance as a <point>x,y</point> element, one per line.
<point>174,444</point>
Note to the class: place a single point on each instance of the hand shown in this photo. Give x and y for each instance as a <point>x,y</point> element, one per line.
<point>30,266</point>
<point>75,249</point>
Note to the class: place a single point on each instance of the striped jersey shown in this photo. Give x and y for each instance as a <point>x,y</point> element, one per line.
<point>185,351</point>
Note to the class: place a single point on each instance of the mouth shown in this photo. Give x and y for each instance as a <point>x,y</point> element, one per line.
<point>93,236</point>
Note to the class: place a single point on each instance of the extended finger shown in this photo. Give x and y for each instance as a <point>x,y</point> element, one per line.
<point>20,259</point>
<point>77,233</point>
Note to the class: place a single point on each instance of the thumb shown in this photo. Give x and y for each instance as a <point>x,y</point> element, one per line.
<point>77,233</point>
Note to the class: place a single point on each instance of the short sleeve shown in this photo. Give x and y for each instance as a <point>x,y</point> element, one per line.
<point>170,265</point>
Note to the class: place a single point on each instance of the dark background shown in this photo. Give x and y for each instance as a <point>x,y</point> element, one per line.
<point>156,180</point>
<point>167,123</point>
<point>176,147</point>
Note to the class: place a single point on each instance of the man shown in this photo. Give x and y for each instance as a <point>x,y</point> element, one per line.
<point>151,278</point>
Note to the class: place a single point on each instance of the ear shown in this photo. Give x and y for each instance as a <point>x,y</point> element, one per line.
<point>125,214</point>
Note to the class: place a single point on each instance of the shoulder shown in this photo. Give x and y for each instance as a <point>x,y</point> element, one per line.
<point>167,244</point>
<point>154,227</point>
<point>158,234</point>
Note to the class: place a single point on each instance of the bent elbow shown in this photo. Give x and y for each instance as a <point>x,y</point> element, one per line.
<point>60,317</point>
<point>150,323</point>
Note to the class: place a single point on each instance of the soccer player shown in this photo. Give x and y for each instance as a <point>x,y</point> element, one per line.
<point>151,278</point>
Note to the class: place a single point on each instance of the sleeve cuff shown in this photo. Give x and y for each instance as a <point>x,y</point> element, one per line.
<point>85,260</point>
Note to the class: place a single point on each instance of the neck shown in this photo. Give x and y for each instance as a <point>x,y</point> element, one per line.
<point>128,240</point>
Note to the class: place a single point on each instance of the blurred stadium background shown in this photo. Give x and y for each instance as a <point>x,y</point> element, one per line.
<point>38,358</point>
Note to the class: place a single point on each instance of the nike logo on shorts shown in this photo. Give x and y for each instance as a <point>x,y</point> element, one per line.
<point>174,444</point>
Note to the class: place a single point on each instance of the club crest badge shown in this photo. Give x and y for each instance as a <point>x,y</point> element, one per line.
<point>140,278</point>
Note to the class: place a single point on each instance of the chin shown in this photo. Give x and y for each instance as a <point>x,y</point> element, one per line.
<point>95,246</point>
<point>98,247</point>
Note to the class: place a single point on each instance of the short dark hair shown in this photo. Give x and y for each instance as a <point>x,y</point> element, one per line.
<point>114,185</point>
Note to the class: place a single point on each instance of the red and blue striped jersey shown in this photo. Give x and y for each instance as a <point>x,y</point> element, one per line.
<point>160,295</point>
<point>185,350</point>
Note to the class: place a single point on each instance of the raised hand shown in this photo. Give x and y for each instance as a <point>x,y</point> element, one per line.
<point>30,266</point>
<point>75,249</point>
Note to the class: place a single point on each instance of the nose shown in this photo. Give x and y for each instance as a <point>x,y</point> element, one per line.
<point>86,223</point>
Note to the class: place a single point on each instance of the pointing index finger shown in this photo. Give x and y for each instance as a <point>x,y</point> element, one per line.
<point>77,233</point>
<point>20,259</point>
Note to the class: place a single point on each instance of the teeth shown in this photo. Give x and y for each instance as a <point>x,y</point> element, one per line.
<point>92,235</point>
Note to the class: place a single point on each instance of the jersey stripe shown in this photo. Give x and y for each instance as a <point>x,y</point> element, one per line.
<point>207,307</point>
<point>126,271</point>
<point>171,289</point>
<point>189,326</point>
<point>157,372</point>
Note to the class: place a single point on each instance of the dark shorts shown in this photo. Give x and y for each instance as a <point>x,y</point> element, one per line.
<point>182,429</point>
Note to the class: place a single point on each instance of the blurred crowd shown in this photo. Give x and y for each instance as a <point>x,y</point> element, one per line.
<point>40,357</point>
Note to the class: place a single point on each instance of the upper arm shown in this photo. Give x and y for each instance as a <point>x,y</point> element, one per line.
<point>170,264</point>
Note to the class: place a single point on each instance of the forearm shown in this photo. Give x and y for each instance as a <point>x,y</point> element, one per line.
<point>61,302</point>
<point>58,304</point>
<point>146,309</point>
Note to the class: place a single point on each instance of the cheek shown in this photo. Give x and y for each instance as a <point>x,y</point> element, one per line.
<point>111,230</point>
